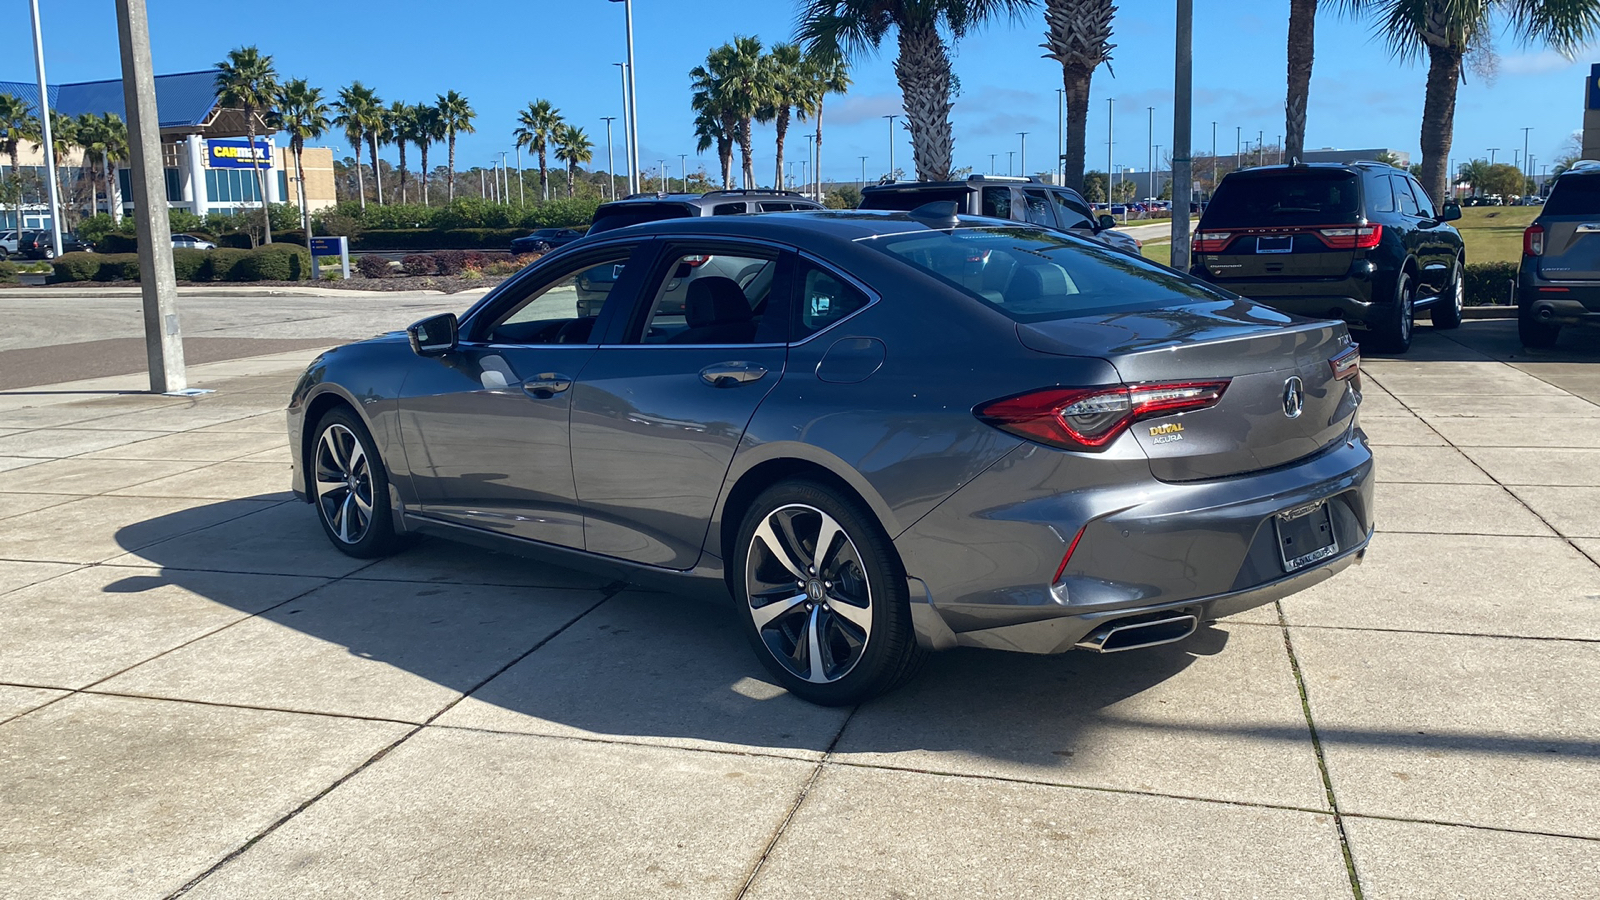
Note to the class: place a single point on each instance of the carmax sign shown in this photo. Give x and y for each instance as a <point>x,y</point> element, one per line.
<point>238,154</point>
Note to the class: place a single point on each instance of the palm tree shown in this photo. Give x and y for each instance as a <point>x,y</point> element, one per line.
<point>1475,173</point>
<point>573,147</point>
<point>1446,31</point>
<point>430,130</point>
<point>715,119</point>
<point>247,81</point>
<point>1078,36</point>
<point>302,115</point>
<point>1302,47</point>
<point>18,125</point>
<point>63,137</point>
<point>352,112</point>
<point>790,95</point>
<point>828,73</point>
<point>115,135</point>
<point>456,115</point>
<point>91,137</point>
<point>402,128</point>
<point>538,125</point>
<point>748,90</point>
<point>922,67</point>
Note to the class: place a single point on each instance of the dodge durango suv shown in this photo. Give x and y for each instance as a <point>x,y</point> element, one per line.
<point>1359,242</point>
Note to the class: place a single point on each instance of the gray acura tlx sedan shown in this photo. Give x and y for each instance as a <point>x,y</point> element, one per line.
<point>881,433</point>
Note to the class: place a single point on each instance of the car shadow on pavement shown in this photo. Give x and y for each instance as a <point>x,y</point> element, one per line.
<point>545,650</point>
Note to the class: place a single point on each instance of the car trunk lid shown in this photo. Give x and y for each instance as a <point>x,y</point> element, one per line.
<point>1283,401</point>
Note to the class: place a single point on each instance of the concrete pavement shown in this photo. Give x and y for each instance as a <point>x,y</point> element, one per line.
<point>198,696</point>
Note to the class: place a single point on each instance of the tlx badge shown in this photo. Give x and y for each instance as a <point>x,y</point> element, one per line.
<point>1166,434</point>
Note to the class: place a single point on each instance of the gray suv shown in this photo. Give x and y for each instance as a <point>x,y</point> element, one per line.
<point>1558,283</point>
<point>1019,199</point>
<point>637,208</point>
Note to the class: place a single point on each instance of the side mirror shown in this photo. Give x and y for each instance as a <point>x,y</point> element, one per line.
<point>1452,212</point>
<point>435,335</point>
<point>1107,221</point>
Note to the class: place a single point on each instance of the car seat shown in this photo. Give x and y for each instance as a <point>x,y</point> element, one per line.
<point>718,313</point>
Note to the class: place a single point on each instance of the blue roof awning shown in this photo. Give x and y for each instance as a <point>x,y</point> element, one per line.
<point>183,100</point>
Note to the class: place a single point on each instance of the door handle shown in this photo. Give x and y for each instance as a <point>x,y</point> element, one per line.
<point>547,385</point>
<point>731,374</point>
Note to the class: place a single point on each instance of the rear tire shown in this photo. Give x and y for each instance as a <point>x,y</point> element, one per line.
<point>1446,312</point>
<point>1534,333</point>
<point>834,633</point>
<point>349,486</point>
<point>1392,333</point>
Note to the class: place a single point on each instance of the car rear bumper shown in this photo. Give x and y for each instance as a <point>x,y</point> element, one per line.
<point>983,568</point>
<point>1559,303</point>
<point>1351,298</point>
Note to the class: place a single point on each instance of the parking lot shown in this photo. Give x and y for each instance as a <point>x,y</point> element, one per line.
<point>199,696</point>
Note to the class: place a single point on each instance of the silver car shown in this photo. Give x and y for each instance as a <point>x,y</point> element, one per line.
<point>899,434</point>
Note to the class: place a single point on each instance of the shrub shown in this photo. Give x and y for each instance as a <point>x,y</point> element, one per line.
<point>373,267</point>
<point>436,239</point>
<point>187,263</point>
<point>95,228</point>
<point>291,236</point>
<point>76,267</point>
<point>419,264</point>
<point>1489,284</point>
<point>274,262</point>
<point>476,259</point>
<point>512,265</point>
<point>118,267</point>
<point>236,240</point>
<point>116,242</point>
<point>339,223</point>
<point>333,275</point>
<point>8,272</point>
<point>220,264</point>
<point>451,262</point>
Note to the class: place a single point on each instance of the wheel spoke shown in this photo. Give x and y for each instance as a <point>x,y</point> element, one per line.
<point>357,456</point>
<point>763,615</point>
<point>817,672</point>
<point>345,510</point>
<point>324,488</point>
<point>776,547</point>
<point>855,615</point>
<point>330,442</point>
<point>827,533</point>
<point>362,504</point>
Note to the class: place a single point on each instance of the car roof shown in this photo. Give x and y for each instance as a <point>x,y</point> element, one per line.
<point>1288,169</point>
<point>829,224</point>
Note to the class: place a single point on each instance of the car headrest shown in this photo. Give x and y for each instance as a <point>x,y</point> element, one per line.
<point>1042,280</point>
<point>716,300</point>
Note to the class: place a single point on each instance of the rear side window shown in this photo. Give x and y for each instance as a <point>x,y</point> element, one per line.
<point>728,209</point>
<point>776,207</point>
<point>623,216</point>
<point>1314,197</point>
<point>1404,197</point>
<point>1034,276</point>
<point>997,202</point>
<point>825,298</point>
<point>905,201</point>
<point>1380,195</point>
<point>1574,195</point>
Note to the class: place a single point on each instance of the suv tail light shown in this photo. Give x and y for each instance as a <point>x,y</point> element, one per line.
<point>1356,237</point>
<point>1091,418</point>
<point>1211,241</point>
<point>695,261</point>
<point>1533,241</point>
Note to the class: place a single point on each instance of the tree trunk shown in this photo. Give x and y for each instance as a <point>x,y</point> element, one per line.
<point>923,70</point>
<point>112,194</point>
<point>730,129</point>
<point>261,182</point>
<point>746,154</point>
<point>1075,82</point>
<point>402,145</point>
<point>424,175</point>
<point>450,173</point>
<point>94,183</point>
<point>377,173</point>
<point>783,132</point>
<point>1438,121</point>
<point>544,177</point>
<point>1302,46</point>
<point>361,181</point>
<point>572,177</point>
<point>300,180</point>
<point>16,173</point>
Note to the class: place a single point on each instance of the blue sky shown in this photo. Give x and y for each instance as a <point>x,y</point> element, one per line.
<point>504,54</point>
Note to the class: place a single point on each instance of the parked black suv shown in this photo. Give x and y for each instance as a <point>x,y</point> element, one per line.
<point>1558,283</point>
<point>545,239</point>
<point>1358,241</point>
<point>637,208</point>
<point>1005,197</point>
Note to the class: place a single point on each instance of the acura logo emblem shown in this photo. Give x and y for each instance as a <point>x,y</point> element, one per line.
<point>1294,397</point>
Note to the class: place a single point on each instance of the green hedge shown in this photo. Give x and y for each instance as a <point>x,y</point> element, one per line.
<point>436,239</point>
<point>1489,284</point>
<point>8,271</point>
<point>273,262</point>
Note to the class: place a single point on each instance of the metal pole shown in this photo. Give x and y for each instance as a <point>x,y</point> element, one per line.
<point>1492,151</point>
<point>666,183</point>
<point>522,189</point>
<point>633,94</point>
<point>891,145</point>
<point>1061,126</point>
<point>683,160</point>
<point>805,170</point>
<point>627,155</point>
<point>1182,110</point>
<point>611,161</point>
<point>49,142</point>
<point>991,163</point>
<point>1150,149</point>
<point>505,176</point>
<point>1111,107</point>
<point>1525,162</point>
<point>1011,158</point>
<point>807,189</point>
<point>1213,190</point>
<point>863,171</point>
<point>1024,157</point>
<point>1261,137</point>
<point>163,340</point>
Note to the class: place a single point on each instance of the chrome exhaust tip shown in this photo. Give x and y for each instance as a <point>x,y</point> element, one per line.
<point>1139,631</point>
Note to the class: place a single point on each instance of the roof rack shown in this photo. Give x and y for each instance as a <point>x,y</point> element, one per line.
<point>1583,164</point>
<point>765,192</point>
<point>1015,179</point>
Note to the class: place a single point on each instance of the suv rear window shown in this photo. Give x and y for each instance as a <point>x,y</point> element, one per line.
<point>622,216</point>
<point>906,201</point>
<point>1031,275</point>
<point>1311,197</point>
<point>1574,195</point>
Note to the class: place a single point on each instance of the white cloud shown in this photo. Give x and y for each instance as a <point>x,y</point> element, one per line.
<point>1539,63</point>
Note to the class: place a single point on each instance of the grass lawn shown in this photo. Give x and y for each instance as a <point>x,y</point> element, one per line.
<point>1491,233</point>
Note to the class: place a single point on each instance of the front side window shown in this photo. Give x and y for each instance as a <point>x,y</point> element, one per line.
<point>1037,207</point>
<point>1424,203</point>
<point>705,296</point>
<point>561,307</point>
<point>1031,275</point>
<point>825,298</point>
<point>1069,212</point>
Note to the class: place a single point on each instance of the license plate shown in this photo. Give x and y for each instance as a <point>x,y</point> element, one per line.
<point>1284,244</point>
<point>1305,536</point>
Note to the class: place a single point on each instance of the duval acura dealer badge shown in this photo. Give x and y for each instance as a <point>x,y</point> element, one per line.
<point>1166,434</point>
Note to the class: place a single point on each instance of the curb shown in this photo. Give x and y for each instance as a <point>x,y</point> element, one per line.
<point>1489,312</point>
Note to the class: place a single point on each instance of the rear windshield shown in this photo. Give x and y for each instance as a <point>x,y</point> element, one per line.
<point>1574,196</point>
<point>1035,276</point>
<point>1314,197</point>
<point>606,219</point>
<point>909,200</point>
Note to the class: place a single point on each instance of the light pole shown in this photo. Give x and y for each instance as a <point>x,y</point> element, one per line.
<point>1182,158</point>
<point>807,189</point>
<point>991,163</point>
<point>630,88</point>
<point>1155,175</point>
<point>627,143</point>
<point>863,171</point>
<point>1238,132</point>
<point>683,163</point>
<point>1024,157</point>
<point>1213,160</point>
<point>1261,138</point>
<point>1150,149</point>
<point>1011,157</point>
<point>1111,108</point>
<point>1527,163</point>
<point>1492,151</point>
<point>49,142</point>
<point>666,185</point>
<point>1061,126</point>
<point>522,190</point>
<point>791,173</point>
<point>805,166</point>
<point>611,161</point>
<point>891,145</point>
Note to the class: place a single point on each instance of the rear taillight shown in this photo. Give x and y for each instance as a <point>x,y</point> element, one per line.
<point>1533,241</point>
<point>1347,366</point>
<point>695,261</point>
<point>1211,241</point>
<point>1356,237</point>
<point>1091,418</point>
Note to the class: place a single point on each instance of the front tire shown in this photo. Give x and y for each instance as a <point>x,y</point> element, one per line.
<point>823,596</point>
<point>1446,312</point>
<point>350,487</point>
<point>1392,334</point>
<point>1534,333</point>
